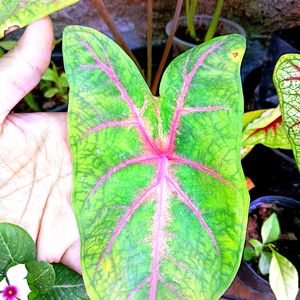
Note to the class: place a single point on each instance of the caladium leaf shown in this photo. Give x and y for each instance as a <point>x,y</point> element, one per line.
<point>158,190</point>
<point>264,127</point>
<point>286,78</point>
<point>16,14</point>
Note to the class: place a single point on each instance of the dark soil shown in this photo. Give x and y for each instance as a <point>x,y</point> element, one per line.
<point>288,244</point>
<point>200,29</point>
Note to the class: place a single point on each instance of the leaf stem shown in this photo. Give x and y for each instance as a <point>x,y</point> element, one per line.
<point>103,12</point>
<point>149,40</point>
<point>167,48</point>
<point>190,13</point>
<point>214,22</point>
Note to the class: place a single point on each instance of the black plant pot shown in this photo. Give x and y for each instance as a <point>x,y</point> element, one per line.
<point>287,209</point>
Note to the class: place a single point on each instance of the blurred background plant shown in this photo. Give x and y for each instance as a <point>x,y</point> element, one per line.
<point>282,274</point>
<point>190,10</point>
<point>52,90</point>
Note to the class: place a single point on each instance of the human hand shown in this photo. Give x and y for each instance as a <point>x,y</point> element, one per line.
<point>35,159</point>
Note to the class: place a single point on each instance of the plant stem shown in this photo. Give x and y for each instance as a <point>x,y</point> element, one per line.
<point>187,8</point>
<point>103,12</point>
<point>167,48</point>
<point>214,22</point>
<point>149,40</point>
<point>190,18</point>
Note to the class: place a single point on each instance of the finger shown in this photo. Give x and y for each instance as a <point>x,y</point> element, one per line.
<point>71,257</point>
<point>22,68</point>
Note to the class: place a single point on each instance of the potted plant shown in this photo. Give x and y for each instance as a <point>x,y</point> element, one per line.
<point>272,243</point>
<point>193,29</point>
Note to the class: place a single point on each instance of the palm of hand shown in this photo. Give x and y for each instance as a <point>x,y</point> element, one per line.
<point>35,174</point>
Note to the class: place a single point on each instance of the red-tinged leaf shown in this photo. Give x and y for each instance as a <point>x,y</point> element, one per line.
<point>264,127</point>
<point>286,78</point>
<point>159,194</point>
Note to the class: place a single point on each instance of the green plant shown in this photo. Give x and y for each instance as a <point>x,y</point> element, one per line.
<point>17,14</point>
<point>190,7</point>
<point>283,276</point>
<point>158,190</point>
<point>54,83</point>
<point>8,45</point>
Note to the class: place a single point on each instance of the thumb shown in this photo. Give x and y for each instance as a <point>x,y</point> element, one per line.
<point>21,69</point>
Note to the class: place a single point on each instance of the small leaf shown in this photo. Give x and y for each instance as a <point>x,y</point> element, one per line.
<point>286,78</point>
<point>264,262</point>
<point>42,275</point>
<point>257,245</point>
<point>251,116</point>
<point>51,92</point>
<point>50,75</point>
<point>16,246</point>
<point>68,285</point>
<point>45,84</point>
<point>283,277</point>
<point>248,253</point>
<point>57,41</point>
<point>270,230</point>
<point>31,102</point>
<point>62,81</point>
<point>16,14</point>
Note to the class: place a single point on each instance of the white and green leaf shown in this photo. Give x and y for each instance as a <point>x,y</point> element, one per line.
<point>283,277</point>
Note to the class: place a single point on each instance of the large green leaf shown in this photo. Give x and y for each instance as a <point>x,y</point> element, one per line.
<point>159,193</point>
<point>16,246</point>
<point>264,127</point>
<point>16,14</point>
<point>286,78</point>
<point>283,277</point>
<point>68,285</point>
